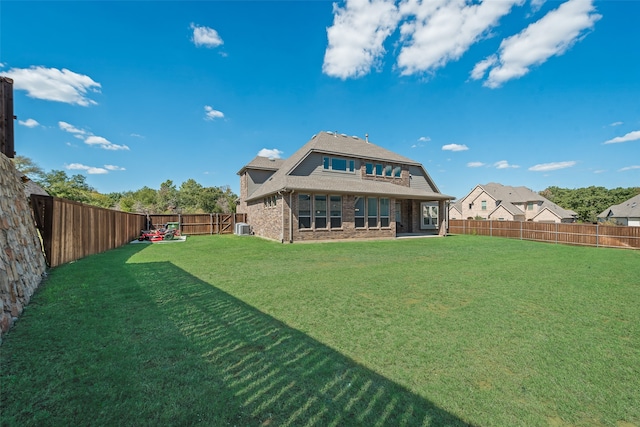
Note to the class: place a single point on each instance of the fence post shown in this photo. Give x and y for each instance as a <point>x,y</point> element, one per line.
<point>556,233</point>
<point>211,223</point>
<point>490,228</point>
<point>597,234</point>
<point>520,230</point>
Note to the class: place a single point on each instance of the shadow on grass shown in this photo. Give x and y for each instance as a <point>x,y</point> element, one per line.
<point>150,344</point>
<point>277,374</point>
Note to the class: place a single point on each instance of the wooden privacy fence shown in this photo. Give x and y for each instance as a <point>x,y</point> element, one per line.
<point>609,236</point>
<point>190,224</point>
<point>72,230</point>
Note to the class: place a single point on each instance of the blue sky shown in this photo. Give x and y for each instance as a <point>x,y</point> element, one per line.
<point>520,92</point>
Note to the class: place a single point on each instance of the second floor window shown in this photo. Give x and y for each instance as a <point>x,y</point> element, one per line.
<point>338,164</point>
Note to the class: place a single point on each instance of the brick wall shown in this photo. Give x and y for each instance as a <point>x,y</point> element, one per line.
<point>266,221</point>
<point>22,263</point>
<point>348,230</point>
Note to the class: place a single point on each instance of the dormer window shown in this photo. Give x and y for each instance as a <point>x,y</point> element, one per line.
<point>338,164</point>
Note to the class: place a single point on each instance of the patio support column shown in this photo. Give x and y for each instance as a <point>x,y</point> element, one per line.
<point>442,217</point>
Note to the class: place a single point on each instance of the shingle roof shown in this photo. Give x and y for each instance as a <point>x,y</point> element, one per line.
<point>340,144</point>
<point>508,195</point>
<point>510,207</point>
<point>557,210</point>
<point>627,209</point>
<point>263,163</point>
<point>511,194</point>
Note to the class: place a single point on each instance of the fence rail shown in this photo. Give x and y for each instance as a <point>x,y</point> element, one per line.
<point>609,236</point>
<point>191,224</point>
<point>72,230</point>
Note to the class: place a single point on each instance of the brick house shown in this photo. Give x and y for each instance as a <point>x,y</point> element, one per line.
<point>340,187</point>
<point>502,202</point>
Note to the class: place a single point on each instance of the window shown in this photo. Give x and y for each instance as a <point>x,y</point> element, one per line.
<point>359,212</point>
<point>388,170</point>
<point>369,168</point>
<point>270,201</point>
<point>484,205</point>
<point>372,212</point>
<point>429,215</point>
<point>320,211</point>
<point>529,206</point>
<point>304,211</point>
<point>338,164</point>
<point>335,209</point>
<point>397,172</point>
<point>378,169</point>
<point>384,212</point>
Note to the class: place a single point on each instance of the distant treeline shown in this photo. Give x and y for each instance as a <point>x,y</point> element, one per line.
<point>588,202</point>
<point>190,197</point>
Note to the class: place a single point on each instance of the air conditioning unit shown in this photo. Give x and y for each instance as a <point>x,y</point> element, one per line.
<point>242,229</point>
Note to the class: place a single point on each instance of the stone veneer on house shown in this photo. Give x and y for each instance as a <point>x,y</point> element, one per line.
<point>22,262</point>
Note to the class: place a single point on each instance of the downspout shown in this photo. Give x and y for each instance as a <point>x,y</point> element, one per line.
<point>281,217</point>
<point>291,217</point>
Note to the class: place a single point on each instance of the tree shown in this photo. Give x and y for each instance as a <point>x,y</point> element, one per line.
<point>588,202</point>
<point>227,201</point>
<point>191,195</point>
<point>57,183</point>
<point>28,167</point>
<point>167,200</point>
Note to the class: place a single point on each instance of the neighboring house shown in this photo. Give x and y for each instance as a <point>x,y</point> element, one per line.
<point>501,202</point>
<point>626,213</point>
<point>340,187</point>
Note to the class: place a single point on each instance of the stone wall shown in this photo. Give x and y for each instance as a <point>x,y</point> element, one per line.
<point>22,262</point>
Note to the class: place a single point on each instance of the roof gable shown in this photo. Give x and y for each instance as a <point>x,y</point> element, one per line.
<point>262,163</point>
<point>346,146</point>
<point>627,209</point>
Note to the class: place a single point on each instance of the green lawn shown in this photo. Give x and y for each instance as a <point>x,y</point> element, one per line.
<point>227,330</point>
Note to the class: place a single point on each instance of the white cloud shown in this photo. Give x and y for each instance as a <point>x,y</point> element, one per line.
<point>455,147</point>
<point>114,168</point>
<point>104,143</point>
<point>443,30</point>
<point>552,35</point>
<point>30,123</point>
<point>272,153</point>
<point>537,4</point>
<point>628,168</point>
<point>52,84</point>
<point>89,169</point>
<point>631,136</point>
<point>481,67</point>
<point>205,36</point>
<point>211,114</point>
<point>503,164</point>
<point>616,124</point>
<point>357,35</point>
<point>475,164</point>
<point>71,129</point>
<point>89,138</point>
<point>424,139</point>
<point>546,167</point>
